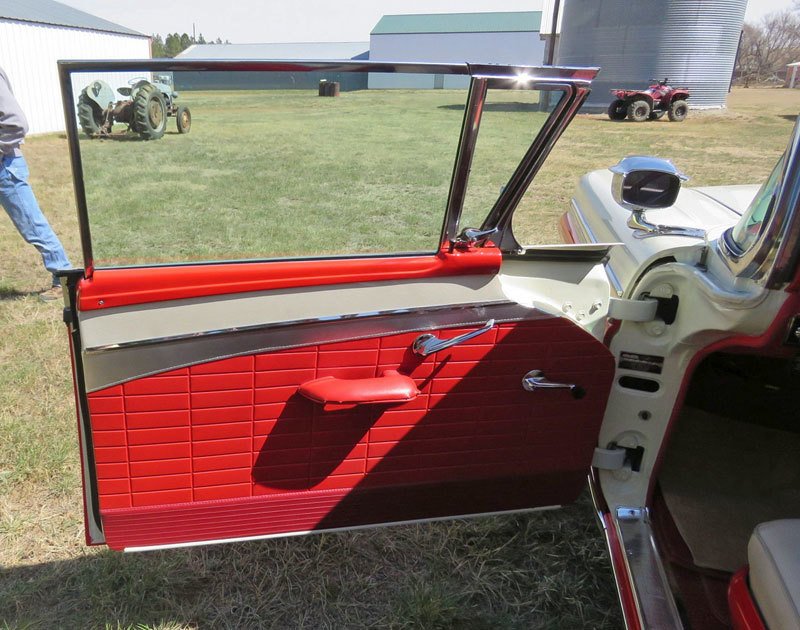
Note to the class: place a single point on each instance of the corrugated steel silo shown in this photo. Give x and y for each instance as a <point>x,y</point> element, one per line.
<point>693,42</point>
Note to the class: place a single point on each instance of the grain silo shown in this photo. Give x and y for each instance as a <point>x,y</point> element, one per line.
<point>692,42</point>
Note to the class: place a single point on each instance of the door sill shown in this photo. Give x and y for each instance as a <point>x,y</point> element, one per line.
<point>655,605</point>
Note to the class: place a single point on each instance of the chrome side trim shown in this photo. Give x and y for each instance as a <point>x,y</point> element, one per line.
<point>219,541</point>
<point>654,601</point>
<point>115,365</point>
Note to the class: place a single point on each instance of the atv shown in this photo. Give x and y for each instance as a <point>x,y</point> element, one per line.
<point>145,111</point>
<point>650,104</point>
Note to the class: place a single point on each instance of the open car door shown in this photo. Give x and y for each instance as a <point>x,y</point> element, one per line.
<point>257,395</point>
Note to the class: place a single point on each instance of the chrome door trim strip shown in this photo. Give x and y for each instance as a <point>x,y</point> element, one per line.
<point>330,530</point>
<point>274,325</point>
<point>116,365</point>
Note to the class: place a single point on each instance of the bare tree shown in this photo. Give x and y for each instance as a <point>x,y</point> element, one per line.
<point>768,46</point>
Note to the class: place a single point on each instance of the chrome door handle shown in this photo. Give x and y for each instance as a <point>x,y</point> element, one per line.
<point>535,379</point>
<point>428,343</point>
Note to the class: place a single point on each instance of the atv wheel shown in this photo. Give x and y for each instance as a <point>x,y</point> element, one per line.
<point>184,119</point>
<point>90,117</point>
<point>639,111</point>
<point>678,110</point>
<point>617,110</point>
<point>657,115</point>
<point>149,113</point>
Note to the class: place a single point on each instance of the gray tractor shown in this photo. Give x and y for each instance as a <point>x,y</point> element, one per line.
<point>145,110</point>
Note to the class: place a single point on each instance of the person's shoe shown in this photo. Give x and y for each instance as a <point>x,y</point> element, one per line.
<point>51,294</point>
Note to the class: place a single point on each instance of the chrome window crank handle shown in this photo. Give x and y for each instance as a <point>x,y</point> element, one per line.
<point>428,343</point>
<point>535,379</point>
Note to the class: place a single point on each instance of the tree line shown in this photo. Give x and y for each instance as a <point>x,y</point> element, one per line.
<point>767,46</point>
<point>174,43</point>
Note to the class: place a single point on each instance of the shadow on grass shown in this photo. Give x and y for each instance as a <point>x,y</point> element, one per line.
<point>125,136</point>
<point>7,293</point>
<point>789,117</point>
<point>546,569</point>
<point>499,107</point>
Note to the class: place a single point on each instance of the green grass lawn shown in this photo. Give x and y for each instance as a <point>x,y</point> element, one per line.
<point>540,570</point>
<point>284,172</point>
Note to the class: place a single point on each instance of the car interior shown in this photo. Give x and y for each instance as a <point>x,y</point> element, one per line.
<point>728,492</point>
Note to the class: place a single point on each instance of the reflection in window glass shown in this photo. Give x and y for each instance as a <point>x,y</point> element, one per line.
<point>510,121</point>
<point>267,171</point>
<point>746,231</point>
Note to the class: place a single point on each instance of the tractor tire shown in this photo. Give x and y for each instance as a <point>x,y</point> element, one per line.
<point>639,111</point>
<point>678,110</point>
<point>617,110</point>
<point>657,115</point>
<point>184,119</point>
<point>89,117</point>
<point>149,113</point>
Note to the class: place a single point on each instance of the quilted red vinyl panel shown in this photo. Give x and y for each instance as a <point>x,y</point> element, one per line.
<point>230,449</point>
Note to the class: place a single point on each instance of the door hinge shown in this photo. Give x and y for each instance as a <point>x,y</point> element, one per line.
<point>617,457</point>
<point>609,458</point>
<point>632,310</point>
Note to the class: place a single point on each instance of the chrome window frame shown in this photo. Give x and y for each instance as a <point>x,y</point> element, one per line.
<point>574,82</point>
<point>772,258</point>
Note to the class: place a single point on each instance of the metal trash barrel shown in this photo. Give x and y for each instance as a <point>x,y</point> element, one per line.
<point>329,88</point>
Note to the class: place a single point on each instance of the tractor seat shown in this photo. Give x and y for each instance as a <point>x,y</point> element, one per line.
<point>774,556</point>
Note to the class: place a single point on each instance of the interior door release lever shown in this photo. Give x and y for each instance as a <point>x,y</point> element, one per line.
<point>428,343</point>
<point>535,379</point>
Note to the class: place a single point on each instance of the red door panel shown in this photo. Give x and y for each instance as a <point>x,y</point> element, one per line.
<point>229,449</point>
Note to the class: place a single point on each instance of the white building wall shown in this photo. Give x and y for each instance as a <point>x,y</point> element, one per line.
<point>517,48</point>
<point>29,52</point>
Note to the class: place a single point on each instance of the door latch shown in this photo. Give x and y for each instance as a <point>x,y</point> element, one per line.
<point>535,379</point>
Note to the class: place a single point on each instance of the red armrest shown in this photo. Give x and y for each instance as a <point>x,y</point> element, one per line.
<point>390,387</point>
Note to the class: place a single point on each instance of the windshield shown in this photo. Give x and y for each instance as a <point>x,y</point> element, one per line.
<point>746,231</point>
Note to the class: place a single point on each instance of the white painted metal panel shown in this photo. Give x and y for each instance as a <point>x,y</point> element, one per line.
<point>29,52</point>
<point>518,48</point>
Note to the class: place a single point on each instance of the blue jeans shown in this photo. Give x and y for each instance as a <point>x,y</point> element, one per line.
<point>20,203</point>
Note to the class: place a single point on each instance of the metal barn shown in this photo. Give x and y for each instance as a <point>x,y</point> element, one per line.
<point>35,34</point>
<point>318,51</point>
<point>502,37</point>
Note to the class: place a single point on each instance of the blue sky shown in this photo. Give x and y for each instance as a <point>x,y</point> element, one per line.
<point>254,21</point>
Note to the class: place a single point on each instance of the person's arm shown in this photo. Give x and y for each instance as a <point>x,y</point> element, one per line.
<point>13,124</point>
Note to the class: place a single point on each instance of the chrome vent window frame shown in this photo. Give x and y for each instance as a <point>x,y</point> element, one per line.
<point>574,80</point>
<point>771,260</point>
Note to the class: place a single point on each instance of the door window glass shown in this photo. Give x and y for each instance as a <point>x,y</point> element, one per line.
<point>269,167</point>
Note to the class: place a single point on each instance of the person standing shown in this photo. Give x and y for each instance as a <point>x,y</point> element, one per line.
<point>16,195</point>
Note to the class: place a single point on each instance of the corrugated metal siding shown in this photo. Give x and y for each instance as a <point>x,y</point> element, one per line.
<point>29,52</point>
<point>492,22</point>
<point>58,14</point>
<point>693,42</point>
<point>298,50</point>
<point>524,49</point>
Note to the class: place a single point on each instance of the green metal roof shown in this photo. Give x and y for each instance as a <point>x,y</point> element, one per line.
<point>508,21</point>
